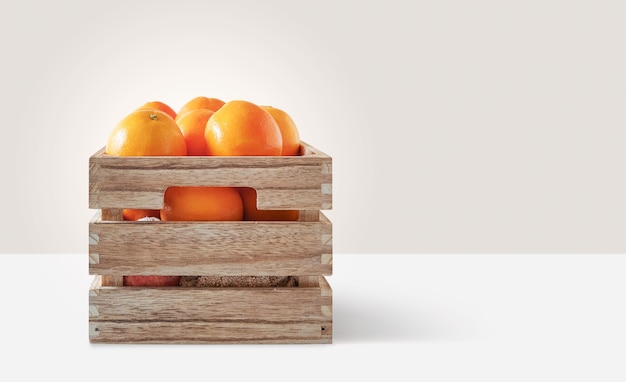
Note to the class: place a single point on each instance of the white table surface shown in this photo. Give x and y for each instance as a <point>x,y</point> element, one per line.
<point>396,317</point>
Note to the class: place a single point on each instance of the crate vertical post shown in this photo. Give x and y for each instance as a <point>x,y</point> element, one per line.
<point>113,214</point>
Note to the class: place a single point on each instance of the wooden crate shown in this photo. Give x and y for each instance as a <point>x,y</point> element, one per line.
<point>300,314</point>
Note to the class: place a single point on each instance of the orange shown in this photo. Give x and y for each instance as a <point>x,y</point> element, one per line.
<point>250,211</point>
<point>242,128</point>
<point>151,281</point>
<point>158,105</point>
<point>202,203</point>
<point>288,130</point>
<point>146,132</point>
<point>201,102</point>
<point>136,214</point>
<point>192,125</point>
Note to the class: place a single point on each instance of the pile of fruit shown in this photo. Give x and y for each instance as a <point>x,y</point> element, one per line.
<point>211,127</point>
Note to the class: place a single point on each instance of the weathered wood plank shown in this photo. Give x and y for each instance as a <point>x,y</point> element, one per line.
<point>210,315</point>
<point>310,216</point>
<point>210,248</point>
<point>284,304</point>
<point>294,182</point>
<point>181,332</point>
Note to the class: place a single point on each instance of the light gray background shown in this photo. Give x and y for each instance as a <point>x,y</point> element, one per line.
<point>454,126</point>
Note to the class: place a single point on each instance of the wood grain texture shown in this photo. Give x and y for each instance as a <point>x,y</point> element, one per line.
<point>312,216</point>
<point>112,280</point>
<point>119,314</point>
<point>290,182</point>
<point>211,304</point>
<point>114,214</point>
<point>193,332</point>
<point>210,248</point>
<point>210,315</point>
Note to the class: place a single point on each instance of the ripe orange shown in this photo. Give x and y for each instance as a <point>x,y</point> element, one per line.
<point>158,105</point>
<point>250,211</point>
<point>136,214</point>
<point>151,281</point>
<point>288,130</point>
<point>201,102</point>
<point>146,132</point>
<point>192,124</point>
<point>242,128</point>
<point>202,203</point>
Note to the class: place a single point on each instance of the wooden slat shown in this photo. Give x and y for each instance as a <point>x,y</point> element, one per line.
<point>294,182</point>
<point>112,280</point>
<point>181,332</point>
<point>309,280</point>
<point>309,216</point>
<point>114,214</point>
<point>283,304</point>
<point>210,248</point>
<point>210,315</point>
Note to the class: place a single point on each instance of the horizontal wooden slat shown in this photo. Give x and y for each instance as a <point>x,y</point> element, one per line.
<point>181,332</point>
<point>210,248</point>
<point>289,182</point>
<point>210,315</point>
<point>280,304</point>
